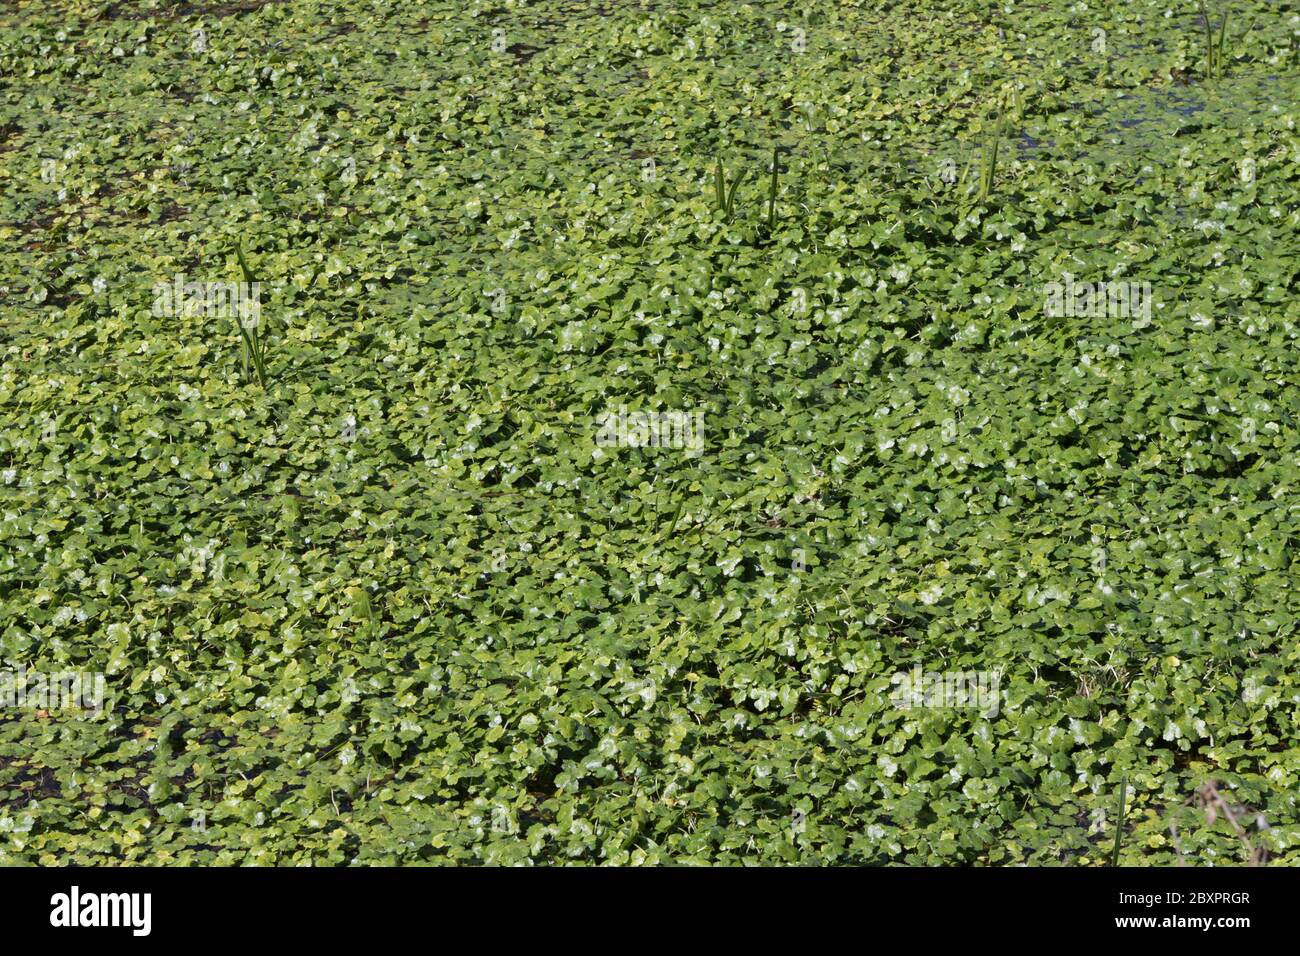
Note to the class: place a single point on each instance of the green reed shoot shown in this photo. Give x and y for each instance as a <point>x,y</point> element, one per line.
<point>989,154</point>
<point>1216,46</point>
<point>254,352</point>
<point>725,197</point>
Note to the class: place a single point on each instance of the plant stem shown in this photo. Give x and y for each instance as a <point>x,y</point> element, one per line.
<point>1119,822</point>
<point>771,195</point>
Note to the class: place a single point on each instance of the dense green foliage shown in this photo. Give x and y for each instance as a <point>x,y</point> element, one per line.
<point>383,598</point>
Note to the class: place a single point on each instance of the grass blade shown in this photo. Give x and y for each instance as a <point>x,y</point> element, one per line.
<point>243,263</point>
<point>731,195</point>
<point>1223,32</point>
<point>998,132</point>
<point>246,348</point>
<point>1209,38</point>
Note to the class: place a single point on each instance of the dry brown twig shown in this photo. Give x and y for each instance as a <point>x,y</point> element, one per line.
<point>1208,799</point>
